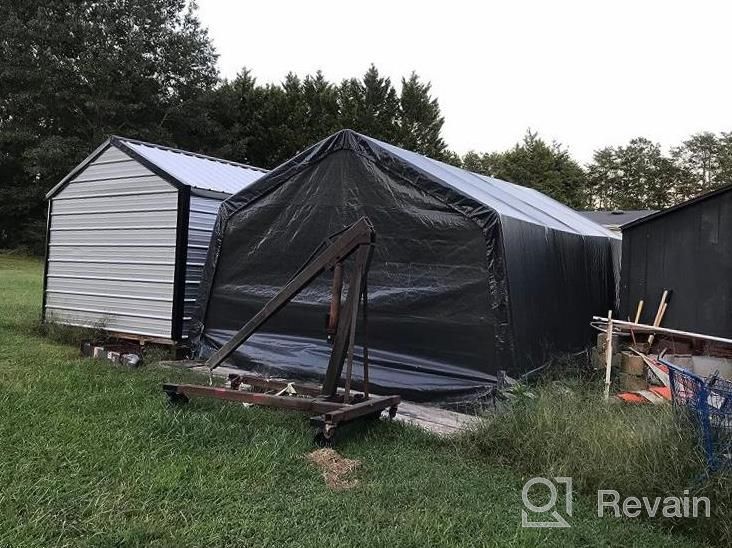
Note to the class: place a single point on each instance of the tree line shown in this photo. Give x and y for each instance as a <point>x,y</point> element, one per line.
<point>72,73</point>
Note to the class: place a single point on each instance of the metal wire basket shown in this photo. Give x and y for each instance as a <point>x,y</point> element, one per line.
<point>708,402</point>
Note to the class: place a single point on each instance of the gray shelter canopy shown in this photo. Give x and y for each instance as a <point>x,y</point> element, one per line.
<point>470,275</point>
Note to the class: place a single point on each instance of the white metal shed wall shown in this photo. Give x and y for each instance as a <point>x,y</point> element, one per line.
<point>111,252</point>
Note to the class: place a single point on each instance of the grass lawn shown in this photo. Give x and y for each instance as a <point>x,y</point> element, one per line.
<point>92,455</point>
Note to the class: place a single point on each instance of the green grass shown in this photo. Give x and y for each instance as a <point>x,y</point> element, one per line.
<point>638,450</point>
<point>91,455</point>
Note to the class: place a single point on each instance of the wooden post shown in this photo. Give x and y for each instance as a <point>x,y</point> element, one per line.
<point>638,311</point>
<point>659,313</point>
<point>608,353</point>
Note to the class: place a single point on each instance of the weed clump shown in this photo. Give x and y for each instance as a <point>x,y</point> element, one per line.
<point>567,429</point>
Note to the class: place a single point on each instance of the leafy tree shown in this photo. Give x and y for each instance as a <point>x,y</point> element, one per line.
<point>533,163</point>
<point>266,125</point>
<point>637,176</point>
<point>74,72</point>
<point>706,162</point>
<point>487,163</point>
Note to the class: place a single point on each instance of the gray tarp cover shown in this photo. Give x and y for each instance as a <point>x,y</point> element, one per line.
<point>470,274</point>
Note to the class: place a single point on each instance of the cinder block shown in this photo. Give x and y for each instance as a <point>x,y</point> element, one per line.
<point>598,359</point>
<point>632,383</point>
<point>602,342</point>
<point>632,364</point>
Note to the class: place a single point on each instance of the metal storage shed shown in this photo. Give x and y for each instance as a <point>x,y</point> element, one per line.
<point>686,249</point>
<point>127,236</point>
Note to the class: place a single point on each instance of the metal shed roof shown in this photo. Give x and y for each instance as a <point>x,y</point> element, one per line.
<point>697,199</point>
<point>616,217</point>
<point>203,174</point>
<point>195,170</point>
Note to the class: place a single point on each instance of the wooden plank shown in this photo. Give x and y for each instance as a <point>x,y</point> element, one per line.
<point>665,330</point>
<point>608,354</point>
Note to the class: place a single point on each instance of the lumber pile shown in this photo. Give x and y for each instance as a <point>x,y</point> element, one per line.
<point>624,352</point>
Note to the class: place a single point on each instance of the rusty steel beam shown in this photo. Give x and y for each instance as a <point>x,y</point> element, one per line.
<point>335,299</point>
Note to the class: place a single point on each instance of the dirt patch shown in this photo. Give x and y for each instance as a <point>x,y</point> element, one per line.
<point>335,468</point>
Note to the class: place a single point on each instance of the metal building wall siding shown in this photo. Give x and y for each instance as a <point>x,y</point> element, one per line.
<point>147,327</point>
<point>106,254</point>
<point>157,201</point>
<point>202,218</point>
<point>145,184</point>
<point>111,250</point>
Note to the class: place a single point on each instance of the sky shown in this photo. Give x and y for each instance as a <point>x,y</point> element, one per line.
<point>587,74</point>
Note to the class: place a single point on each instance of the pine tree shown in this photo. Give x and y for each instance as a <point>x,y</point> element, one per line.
<point>547,168</point>
<point>420,119</point>
<point>74,72</point>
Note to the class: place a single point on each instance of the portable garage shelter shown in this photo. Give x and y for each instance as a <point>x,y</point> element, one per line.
<point>686,249</point>
<point>470,275</point>
<point>128,232</point>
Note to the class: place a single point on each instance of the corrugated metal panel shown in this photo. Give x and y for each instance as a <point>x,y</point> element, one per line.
<point>99,269</point>
<point>200,225</point>
<point>148,327</point>
<point>133,308</point>
<point>128,185</point>
<point>111,258</point>
<point>112,285</point>
<point>114,255</point>
<point>198,171</point>
<point>112,164</point>
<point>115,218</point>
<point>155,202</point>
<point>126,237</point>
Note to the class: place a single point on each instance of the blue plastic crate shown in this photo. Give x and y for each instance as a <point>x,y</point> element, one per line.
<point>708,402</point>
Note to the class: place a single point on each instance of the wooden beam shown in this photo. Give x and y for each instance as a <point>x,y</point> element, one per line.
<point>608,354</point>
<point>663,330</point>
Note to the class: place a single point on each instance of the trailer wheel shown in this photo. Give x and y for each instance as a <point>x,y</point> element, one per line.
<point>174,398</point>
<point>324,437</point>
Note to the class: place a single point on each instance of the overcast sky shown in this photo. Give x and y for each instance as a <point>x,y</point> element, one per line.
<point>587,73</point>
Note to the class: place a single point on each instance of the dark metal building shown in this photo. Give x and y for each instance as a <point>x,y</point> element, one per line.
<point>614,219</point>
<point>686,249</point>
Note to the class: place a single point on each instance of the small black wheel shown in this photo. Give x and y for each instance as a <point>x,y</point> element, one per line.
<point>174,398</point>
<point>375,416</point>
<point>392,412</point>
<point>324,438</point>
